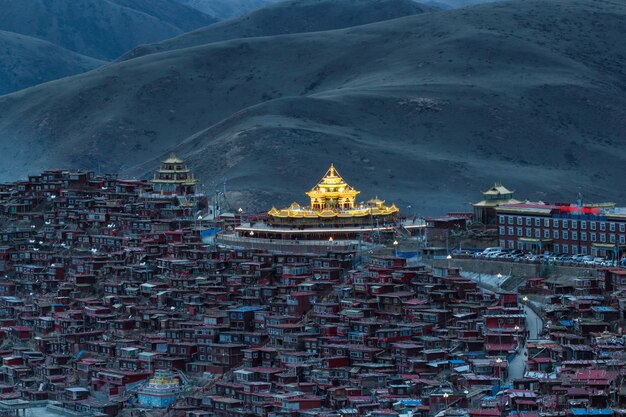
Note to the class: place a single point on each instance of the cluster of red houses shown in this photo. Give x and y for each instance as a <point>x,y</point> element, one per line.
<point>106,282</point>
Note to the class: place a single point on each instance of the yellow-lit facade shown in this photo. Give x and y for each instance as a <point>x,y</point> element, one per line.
<point>333,201</point>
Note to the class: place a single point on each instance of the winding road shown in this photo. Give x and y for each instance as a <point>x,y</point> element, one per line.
<point>518,365</point>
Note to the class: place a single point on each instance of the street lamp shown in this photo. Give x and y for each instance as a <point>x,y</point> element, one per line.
<point>525,298</point>
<point>448,258</point>
<point>395,247</point>
<point>499,362</point>
<point>252,241</point>
<point>445,398</point>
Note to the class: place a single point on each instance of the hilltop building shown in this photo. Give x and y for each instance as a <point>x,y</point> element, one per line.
<point>485,210</point>
<point>173,177</point>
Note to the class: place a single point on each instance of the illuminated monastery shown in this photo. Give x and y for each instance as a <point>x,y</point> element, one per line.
<point>333,215</point>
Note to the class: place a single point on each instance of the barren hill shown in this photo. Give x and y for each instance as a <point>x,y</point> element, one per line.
<point>26,61</point>
<point>425,110</point>
<point>294,16</point>
<point>103,29</point>
<point>227,9</point>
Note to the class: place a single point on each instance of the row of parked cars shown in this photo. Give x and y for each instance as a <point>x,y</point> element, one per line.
<point>512,255</point>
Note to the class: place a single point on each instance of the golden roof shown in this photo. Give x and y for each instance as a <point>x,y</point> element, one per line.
<point>332,185</point>
<point>333,197</point>
<point>498,189</point>
<point>173,159</point>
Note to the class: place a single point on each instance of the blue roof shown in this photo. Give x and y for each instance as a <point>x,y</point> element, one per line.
<point>604,309</point>
<point>245,309</point>
<point>566,323</point>
<point>592,412</point>
<point>456,361</point>
<point>411,402</point>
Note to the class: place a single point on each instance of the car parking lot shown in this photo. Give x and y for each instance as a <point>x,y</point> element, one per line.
<point>511,255</point>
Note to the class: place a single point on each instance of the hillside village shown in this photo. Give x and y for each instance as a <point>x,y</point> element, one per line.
<point>116,301</point>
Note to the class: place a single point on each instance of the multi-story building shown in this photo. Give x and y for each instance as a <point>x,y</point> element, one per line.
<point>589,229</point>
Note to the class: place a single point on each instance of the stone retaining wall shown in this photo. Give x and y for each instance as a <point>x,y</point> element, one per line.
<point>489,267</point>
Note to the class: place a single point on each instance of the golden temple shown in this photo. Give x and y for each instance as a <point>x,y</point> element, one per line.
<point>333,220</point>
<point>333,198</point>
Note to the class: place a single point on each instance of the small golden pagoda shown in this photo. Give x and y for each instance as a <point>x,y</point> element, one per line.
<point>332,192</point>
<point>333,201</point>
<point>173,177</point>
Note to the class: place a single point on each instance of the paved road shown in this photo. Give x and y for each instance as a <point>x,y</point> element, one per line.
<point>518,364</point>
<point>533,323</point>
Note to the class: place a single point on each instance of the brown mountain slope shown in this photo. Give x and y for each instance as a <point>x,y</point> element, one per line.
<point>425,110</point>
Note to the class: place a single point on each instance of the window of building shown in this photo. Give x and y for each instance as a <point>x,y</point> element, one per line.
<point>602,226</point>
<point>583,250</point>
<point>592,225</point>
<point>612,238</point>
<point>501,219</point>
<point>519,221</point>
<point>612,227</point>
<point>537,233</point>
<point>546,222</point>
<point>574,235</point>
<point>574,250</point>
<point>519,231</point>
<point>574,224</point>
<point>520,245</point>
<point>583,225</point>
<point>529,221</point>
<point>564,224</point>
<point>583,236</point>
<point>565,234</point>
<point>510,231</point>
<point>622,239</point>
<point>502,230</point>
<point>555,234</point>
<point>622,226</point>
<point>565,249</point>
<point>602,237</point>
<point>529,232</point>
<point>556,247</point>
<point>592,237</point>
<point>546,234</point>
<point>510,219</point>
<point>537,222</point>
<point>555,223</point>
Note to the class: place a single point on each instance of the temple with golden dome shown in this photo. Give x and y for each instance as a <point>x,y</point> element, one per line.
<point>332,214</point>
<point>173,177</point>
